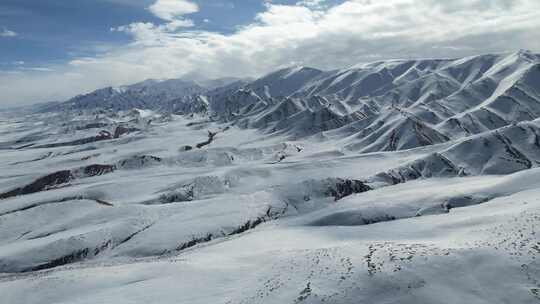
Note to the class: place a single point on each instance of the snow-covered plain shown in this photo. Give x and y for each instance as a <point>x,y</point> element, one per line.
<point>392,182</point>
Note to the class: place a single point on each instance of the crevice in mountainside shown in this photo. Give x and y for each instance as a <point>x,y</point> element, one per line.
<point>457,122</point>
<point>423,138</point>
<point>44,235</point>
<point>24,146</point>
<point>42,157</point>
<point>81,254</point>
<point>270,215</point>
<point>211,136</point>
<point>513,151</point>
<point>73,257</point>
<point>103,135</point>
<point>536,136</point>
<point>59,201</point>
<point>129,237</point>
<point>434,164</point>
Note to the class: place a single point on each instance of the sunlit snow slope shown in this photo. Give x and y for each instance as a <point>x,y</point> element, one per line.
<point>404,181</point>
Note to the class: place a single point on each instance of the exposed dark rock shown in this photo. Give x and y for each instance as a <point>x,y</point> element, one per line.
<point>432,165</point>
<point>464,201</point>
<point>139,161</point>
<point>95,125</point>
<point>280,156</point>
<point>42,157</point>
<point>346,218</point>
<point>176,196</point>
<point>121,130</point>
<point>270,214</point>
<point>185,148</point>
<point>513,151</point>
<point>129,237</point>
<point>70,258</point>
<point>59,201</point>
<point>41,184</point>
<point>194,242</point>
<point>73,257</point>
<point>248,225</point>
<point>58,178</point>
<point>211,136</point>
<point>93,170</point>
<point>103,135</point>
<point>346,187</point>
<point>24,146</point>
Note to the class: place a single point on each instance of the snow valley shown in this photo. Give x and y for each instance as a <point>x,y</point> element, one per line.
<point>399,181</point>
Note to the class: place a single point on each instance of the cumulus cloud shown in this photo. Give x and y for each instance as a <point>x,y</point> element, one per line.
<point>171,9</point>
<point>307,33</point>
<point>7,33</point>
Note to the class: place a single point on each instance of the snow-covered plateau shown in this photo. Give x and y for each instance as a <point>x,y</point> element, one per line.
<point>402,181</point>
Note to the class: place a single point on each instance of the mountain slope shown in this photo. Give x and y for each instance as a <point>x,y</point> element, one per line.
<point>400,181</point>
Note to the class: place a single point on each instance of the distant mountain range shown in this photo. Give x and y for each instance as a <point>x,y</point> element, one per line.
<point>380,106</point>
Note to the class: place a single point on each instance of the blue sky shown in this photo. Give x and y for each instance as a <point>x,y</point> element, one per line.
<point>54,31</point>
<point>54,49</point>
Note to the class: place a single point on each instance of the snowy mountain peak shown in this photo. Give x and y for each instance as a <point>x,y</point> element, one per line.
<point>403,181</point>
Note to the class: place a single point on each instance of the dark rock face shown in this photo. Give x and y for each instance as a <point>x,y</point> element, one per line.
<point>102,135</point>
<point>432,165</point>
<point>73,257</point>
<point>346,187</point>
<point>93,170</point>
<point>351,219</point>
<point>95,125</point>
<point>211,136</point>
<point>139,161</point>
<point>70,258</point>
<point>41,184</point>
<point>121,130</point>
<point>55,179</point>
<point>177,196</point>
<point>464,201</point>
<point>185,148</point>
<point>195,241</point>
<point>271,214</point>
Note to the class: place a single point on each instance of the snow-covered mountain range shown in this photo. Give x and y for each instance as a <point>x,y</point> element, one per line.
<point>400,181</point>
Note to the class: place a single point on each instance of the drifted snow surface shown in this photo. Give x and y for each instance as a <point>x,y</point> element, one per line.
<point>283,200</point>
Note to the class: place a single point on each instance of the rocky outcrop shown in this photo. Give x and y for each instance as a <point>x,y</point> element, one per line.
<point>58,179</point>
<point>139,161</point>
<point>41,184</point>
<point>345,187</point>
<point>121,130</point>
<point>211,136</point>
<point>102,135</point>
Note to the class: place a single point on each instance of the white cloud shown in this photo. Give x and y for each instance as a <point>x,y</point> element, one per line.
<point>312,3</point>
<point>172,9</point>
<point>7,33</point>
<point>342,35</point>
<point>39,69</point>
<point>177,24</point>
